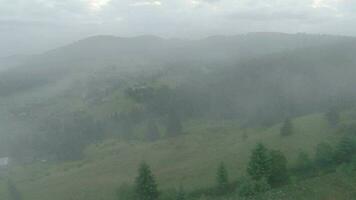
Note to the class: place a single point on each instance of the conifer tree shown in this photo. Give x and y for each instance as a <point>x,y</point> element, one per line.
<point>146,187</point>
<point>222,179</point>
<point>260,163</point>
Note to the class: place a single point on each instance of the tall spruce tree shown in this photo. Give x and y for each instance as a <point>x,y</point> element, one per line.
<point>222,179</point>
<point>146,187</point>
<point>287,128</point>
<point>260,163</point>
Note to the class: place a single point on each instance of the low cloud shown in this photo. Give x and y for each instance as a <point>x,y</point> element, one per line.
<point>168,18</point>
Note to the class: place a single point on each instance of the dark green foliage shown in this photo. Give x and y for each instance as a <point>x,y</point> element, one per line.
<point>333,117</point>
<point>146,187</point>
<point>14,193</point>
<point>260,163</point>
<point>248,187</point>
<point>324,155</point>
<point>152,133</point>
<point>262,186</point>
<point>279,172</point>
<point>222,180</point>
<point>304,166</point>
<point>287,128</point>
<point>344,150</point>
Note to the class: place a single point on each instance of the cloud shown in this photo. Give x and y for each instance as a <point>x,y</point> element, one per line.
<point>146,3</point>
<point>97,5</point>
<point>74,19</point>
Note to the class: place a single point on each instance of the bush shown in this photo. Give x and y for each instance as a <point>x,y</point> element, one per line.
<point>248,187</point>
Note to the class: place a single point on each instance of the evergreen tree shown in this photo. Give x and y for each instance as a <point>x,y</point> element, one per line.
<point>152,131</point>
<point>333,117</point>
<point>181,194</point>
<point>287,128</point>
<point>14,193</point>
<point>324,155</point>
<point>222,179</point>
<point>146,187</point>
<point>260,163</point>
<point>279,172</point>
<point>345,150</point>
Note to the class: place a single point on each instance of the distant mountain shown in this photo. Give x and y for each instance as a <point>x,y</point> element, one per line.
<point>148,52</point>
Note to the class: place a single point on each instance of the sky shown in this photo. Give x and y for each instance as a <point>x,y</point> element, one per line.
<point>33,26</point>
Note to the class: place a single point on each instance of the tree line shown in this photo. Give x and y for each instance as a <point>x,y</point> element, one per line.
<point>267,169</point>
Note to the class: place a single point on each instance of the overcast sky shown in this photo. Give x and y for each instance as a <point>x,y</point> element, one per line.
<point>31,26</point>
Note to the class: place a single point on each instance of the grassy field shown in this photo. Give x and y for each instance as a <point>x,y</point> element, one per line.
<point>190,160</point>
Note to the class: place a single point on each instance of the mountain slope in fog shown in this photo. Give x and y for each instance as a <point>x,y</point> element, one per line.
<point>148,53</point>
<point>259,79</point>
<point>190,160</point>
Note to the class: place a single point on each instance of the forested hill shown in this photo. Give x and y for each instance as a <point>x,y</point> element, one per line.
<point>133,88</point>
<point>148,53</point>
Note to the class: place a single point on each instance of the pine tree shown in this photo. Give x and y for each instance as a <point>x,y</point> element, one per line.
<point>345,150</point>
<point>146,187</point>
<point>222,179</point>
<point>287,128</point>
<point>260,163</point>
<point>279,172</point>
<point>13,192</point>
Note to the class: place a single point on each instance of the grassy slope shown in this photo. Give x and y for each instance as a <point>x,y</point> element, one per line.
<point>336,186</point>
<point>191,159</point>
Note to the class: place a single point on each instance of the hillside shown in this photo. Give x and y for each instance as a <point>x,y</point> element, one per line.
<point>78,120</point>
<point>190,159</point>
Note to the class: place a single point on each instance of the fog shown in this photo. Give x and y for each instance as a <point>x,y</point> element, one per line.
<point>33,26</point>
<point>177,100</point>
